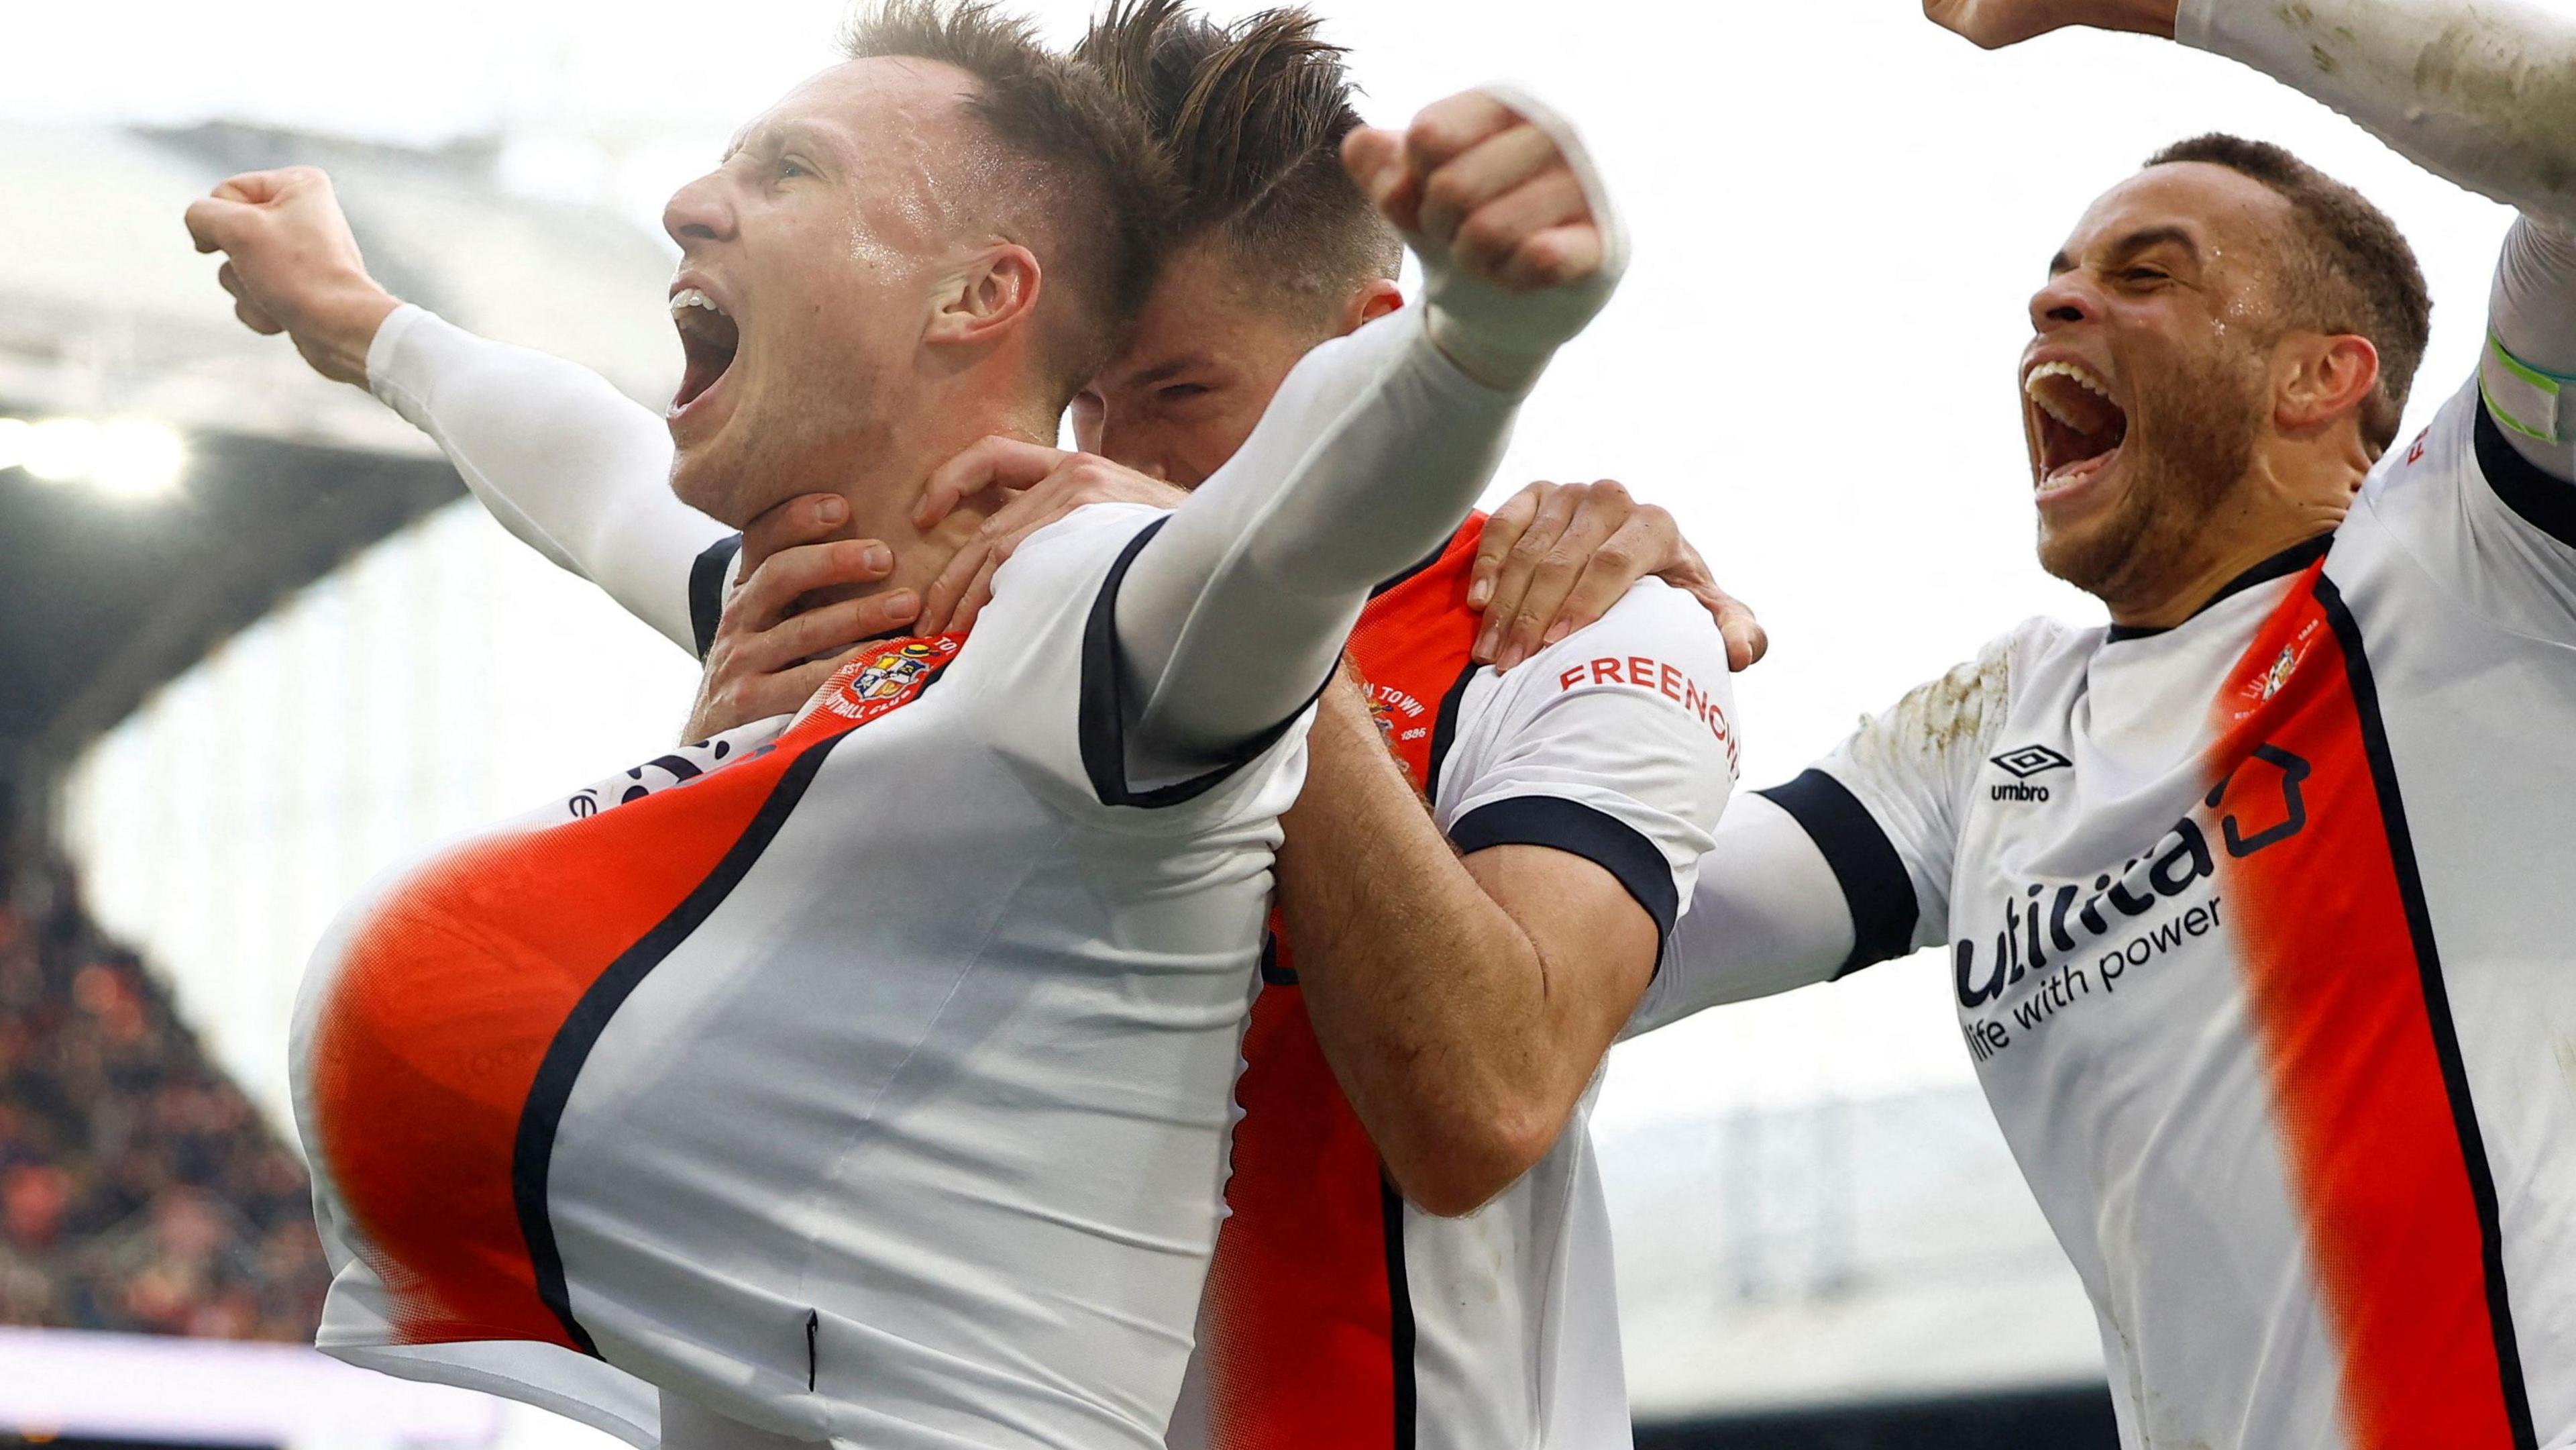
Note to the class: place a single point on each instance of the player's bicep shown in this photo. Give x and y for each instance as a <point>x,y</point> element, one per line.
<point>1616,746</point>
<point>1887,805</point>
<point>1884,880</point>
<point>1768,915</point>
<point>1597,941</point>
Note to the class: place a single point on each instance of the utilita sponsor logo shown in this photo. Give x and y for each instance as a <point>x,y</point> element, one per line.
<point>2051,923</point>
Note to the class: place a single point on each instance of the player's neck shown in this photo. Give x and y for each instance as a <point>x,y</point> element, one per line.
<point>883,492</point>
<point>2287,497</point>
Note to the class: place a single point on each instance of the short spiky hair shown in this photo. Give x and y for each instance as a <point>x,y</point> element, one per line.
<point>1101,186</point>
<point>2350,270</point>
<point>1252,117</point>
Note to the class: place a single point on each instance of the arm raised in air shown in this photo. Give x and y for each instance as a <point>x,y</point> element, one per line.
<point>570,466</point>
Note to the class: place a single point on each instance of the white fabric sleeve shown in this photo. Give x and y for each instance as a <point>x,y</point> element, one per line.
<point>1616,744</point>
<point>2528,373</point>
<point>1369,456</point>
<point>2481,92</point>
<point>1768,915</point>
<point>1849,864</point>
<point>1234,614</point>
<point>1886,806</point>
<point>570,466</point>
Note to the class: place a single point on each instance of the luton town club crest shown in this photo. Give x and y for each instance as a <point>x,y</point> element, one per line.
<point>879,681</point>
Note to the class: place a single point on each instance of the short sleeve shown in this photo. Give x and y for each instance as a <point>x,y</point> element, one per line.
<point>1885,806</point>
<point>1617,744</point>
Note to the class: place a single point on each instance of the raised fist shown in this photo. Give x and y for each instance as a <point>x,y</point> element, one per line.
<point>1995,24</point>
<point>1518,245</point>
<point>292,266</point>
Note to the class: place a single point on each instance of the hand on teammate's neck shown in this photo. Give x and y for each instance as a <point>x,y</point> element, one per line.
<point>881,497</point>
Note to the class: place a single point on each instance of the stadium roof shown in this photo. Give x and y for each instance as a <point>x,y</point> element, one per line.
<point>106,313</point>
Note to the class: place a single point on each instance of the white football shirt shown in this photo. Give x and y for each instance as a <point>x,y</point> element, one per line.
<point>1619,738</point>
<point>1336,1313</point>
<point>2260,936</point>
<point>862,1078</point>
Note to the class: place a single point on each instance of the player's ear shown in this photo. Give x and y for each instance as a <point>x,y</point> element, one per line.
<point>985,300</point>
<point>1372,300</point>
<point>2319,379</point>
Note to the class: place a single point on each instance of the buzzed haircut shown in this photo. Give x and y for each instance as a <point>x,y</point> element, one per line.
<point>1252,116</point>
<point>1097,187</point>
<point>2350,270</point>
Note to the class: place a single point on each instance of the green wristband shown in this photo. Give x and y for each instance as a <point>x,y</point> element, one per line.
<point>2522,397</point>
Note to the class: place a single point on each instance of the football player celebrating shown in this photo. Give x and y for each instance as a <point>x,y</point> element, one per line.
<point>862,1075</point>
<point>1337,1312</point>
<point>2255,900</point>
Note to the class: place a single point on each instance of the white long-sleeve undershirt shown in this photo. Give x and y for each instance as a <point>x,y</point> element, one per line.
<point>1374,449</point>
<point>570,466</point>
<point>1368,457</point>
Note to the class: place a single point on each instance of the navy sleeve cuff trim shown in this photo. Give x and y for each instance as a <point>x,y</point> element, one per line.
<point>1579,830</point>
<point>1103,723</point>
<point>1872,875</point>
<point>2547,504</point>
<point>707,579</point>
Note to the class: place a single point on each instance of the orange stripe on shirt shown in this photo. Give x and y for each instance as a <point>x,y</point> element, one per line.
<point>1308,1330</point>
<point>453,991</point>
<point>2353,1026</point>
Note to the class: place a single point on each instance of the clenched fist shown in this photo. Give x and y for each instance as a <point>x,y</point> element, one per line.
<point>1998,23</point>
<point>1518,245</point>
<point>292,266</point>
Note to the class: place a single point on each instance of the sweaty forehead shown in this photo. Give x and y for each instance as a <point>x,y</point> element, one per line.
<point>879,104</point>
<point>2229,217</point>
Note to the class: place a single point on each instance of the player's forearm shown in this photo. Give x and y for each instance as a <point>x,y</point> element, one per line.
<point>1428,999</point>
<point>1369,457</point>
<point>2482,92</point>
<point>570,466</point>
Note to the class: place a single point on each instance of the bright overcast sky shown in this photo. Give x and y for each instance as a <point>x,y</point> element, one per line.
<point>1838,210</point>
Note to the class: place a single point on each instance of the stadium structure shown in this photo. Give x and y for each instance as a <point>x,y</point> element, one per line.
<point>1837,1274</point>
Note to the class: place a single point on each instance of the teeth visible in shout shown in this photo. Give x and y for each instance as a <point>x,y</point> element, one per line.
<point>2074,373</point>
<point>688,297</point>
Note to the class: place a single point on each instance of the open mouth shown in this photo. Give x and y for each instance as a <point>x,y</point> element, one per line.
<point>2080,425</point>
<point>708,337</point>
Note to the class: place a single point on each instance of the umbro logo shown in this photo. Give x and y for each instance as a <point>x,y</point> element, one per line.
<point>2021,765</point>
<point>2032,760</point>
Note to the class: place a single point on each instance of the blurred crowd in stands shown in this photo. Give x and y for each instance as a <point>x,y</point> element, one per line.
<point>139,1189</point>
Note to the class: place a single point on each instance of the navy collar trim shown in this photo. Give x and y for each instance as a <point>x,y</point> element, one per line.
<point>2547,504</point>
<point>2289,561</point>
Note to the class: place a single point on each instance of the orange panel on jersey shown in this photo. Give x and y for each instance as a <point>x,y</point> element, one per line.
<point>2354,1028</point>
<point>450,997</point>
<point>1308,1338</point>
<point>1298,1347</point>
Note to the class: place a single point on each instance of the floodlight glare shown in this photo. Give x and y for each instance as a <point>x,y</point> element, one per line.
<point>59,450</point>
<point>13,442</point>
<point>137,460</point>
